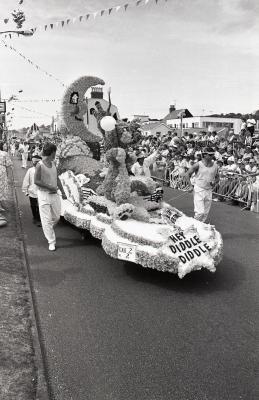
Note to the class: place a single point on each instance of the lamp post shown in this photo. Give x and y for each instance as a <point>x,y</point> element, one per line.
<point>181,115</point>
<point>24,33</point>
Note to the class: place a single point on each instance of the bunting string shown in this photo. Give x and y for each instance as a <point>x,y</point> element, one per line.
<point>34,111</point>
<point>93,15</point>
<point>38,100</point>
<point>32,63</point>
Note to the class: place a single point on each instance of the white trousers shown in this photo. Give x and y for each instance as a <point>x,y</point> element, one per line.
<point>202,202</point>
<point>50,207</point>
<point>24,160</point>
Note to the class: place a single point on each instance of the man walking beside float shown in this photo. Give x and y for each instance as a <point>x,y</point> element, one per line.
<point>206,175</point>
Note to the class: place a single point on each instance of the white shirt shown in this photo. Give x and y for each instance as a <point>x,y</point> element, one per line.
<point>139,170</point>
<point>28,186</point>
<point>243,125</point>
<point>26,148</point>
<point>251,122</point>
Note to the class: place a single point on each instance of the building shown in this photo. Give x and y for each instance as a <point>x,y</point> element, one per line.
<point>206,123</point>
<point>141,118</point>
<point>177,114</point>
<point>153,128</point>
<point>182,119</point>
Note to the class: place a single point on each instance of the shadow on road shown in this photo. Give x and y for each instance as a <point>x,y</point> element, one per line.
<point>229,275</point>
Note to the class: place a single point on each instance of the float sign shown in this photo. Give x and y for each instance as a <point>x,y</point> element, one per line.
<point>126,252</point>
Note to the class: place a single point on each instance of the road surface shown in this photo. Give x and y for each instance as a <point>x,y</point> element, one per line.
<point>113,330</point>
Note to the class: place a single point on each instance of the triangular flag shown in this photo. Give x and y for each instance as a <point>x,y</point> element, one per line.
<point>51,26</point>
<point>62,23</point>
<point>74,20</point>
<point>87,16</point>
<point>57,24</point>
<point>102,12</point>
<point>10,36</point>
<point>68,20</point>
<point>95,14</point>
<point>46,27</point>
<point>6,20</point>
<point>117,8</point>
<point>110,10</point>
<point>126,6</point>
<point>80,18</point>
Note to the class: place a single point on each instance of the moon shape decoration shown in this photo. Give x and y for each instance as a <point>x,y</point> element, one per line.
<point>74,107</point>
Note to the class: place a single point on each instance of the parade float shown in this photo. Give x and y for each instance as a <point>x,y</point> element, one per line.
<point>125,212</point>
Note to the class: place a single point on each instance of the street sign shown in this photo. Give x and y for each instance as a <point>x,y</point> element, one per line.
<point>2,106</point>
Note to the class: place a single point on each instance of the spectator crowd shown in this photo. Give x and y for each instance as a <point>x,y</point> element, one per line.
<point>236,155</point>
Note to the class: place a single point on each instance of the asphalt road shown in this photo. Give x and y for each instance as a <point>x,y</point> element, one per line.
<point>116,331</point>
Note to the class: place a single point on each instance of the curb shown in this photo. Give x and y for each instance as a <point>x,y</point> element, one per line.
<point>43,387</point>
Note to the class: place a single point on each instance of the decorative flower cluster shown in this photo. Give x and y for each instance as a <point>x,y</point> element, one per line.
<point>123,212</point>
<point>136,236</point>
<point>101,205</point>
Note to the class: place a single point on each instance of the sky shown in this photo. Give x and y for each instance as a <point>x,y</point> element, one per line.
<point>198,54</point>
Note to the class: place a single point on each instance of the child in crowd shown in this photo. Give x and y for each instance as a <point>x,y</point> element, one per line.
<point>30,189</point>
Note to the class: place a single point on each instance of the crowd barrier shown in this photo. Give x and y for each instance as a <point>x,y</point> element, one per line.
<point>231,186</point>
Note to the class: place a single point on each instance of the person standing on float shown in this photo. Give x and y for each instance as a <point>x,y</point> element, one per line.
<point>206,175</point>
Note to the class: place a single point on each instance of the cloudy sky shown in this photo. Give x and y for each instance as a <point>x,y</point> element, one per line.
<point>201,54</point>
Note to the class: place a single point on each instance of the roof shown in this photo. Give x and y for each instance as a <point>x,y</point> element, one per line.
<point>147,126</point>
<point>176,114</point>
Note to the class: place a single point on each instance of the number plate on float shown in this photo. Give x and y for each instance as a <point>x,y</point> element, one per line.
<point>126,252</point>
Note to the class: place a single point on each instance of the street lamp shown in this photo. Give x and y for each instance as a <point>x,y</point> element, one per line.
<point>181,114</point>
<point>24,33</point>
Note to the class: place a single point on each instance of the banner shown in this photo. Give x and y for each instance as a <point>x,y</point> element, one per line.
<point>94,15</point>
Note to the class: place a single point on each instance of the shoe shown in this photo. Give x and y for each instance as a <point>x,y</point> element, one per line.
<point>52,247</point>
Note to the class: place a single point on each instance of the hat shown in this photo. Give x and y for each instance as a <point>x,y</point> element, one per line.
<point>141,155</point>
<point>36,157</point>
<point>208,150</point>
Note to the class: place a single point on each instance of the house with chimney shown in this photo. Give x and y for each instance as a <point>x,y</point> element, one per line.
<point>177,114</point>
<point>183,120</point>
